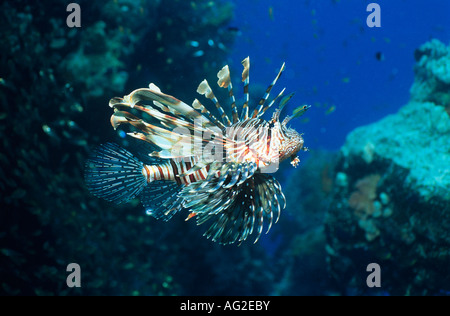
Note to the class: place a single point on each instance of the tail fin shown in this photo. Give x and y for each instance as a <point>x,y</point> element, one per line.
<point>114,174</point>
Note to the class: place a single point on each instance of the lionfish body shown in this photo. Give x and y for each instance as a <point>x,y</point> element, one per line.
<point>216,169</point>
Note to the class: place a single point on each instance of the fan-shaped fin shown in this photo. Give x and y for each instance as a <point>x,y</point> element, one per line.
<point>236,209</point>
<point>114,174</point>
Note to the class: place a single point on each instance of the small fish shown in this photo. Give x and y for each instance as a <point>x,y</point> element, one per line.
<point>300,110</point>
<point>194,43</point>
<point>330,110</point>
<point>285,100</point>
<point>221,46</point>
<point>271,13</point>
<point>379,56</point>
<point>198,53</point>
<point>223,179</point>
<point>233,29</point>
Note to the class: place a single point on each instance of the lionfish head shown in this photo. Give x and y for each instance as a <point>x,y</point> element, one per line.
<point>291,141</point>
<point>291,145</point>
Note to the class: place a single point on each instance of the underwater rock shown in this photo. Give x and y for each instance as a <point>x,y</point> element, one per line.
<point>54,92</point>
<point>96,63</point>
<point>394,206</point>
<point>432,74</point>
<point>417,138</point>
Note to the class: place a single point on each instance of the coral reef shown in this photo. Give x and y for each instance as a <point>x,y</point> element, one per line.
<point>432,74</point>
<point>363,202</point>
<point>416,138</point>
<point>391,202</point>
<point>54,90</point>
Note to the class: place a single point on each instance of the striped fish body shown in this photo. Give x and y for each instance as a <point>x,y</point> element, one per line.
<point>217,169</point>
<point>173,170</point>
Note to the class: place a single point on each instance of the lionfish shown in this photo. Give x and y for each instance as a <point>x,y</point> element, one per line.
<point>218,170</point>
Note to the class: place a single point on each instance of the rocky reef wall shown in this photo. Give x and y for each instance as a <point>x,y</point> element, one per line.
<point>391,194</point>
<point>55,86</point>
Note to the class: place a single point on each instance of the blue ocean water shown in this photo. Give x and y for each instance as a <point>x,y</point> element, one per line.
<point>351,74</point>
<point>331,56</point>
